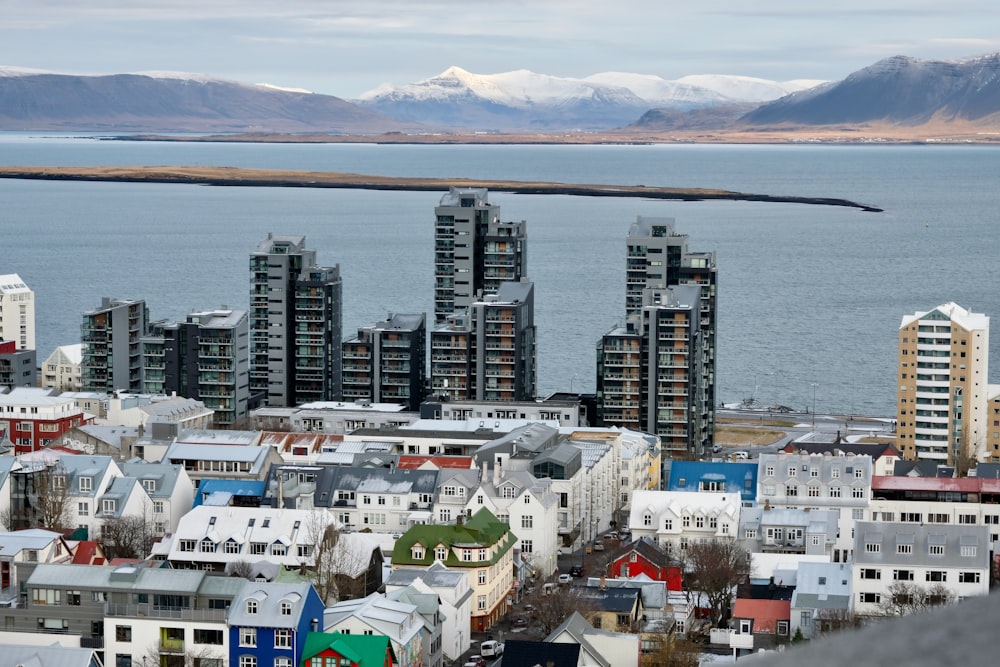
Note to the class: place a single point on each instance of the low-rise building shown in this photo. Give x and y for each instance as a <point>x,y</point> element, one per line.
<point>269,623</point>
<point>675,519</point>
<point>455,598</point>
<point>822,599</point>
<point>899,567</point>
<point>61,370</point>
<point>804,531</point>
<point>18,368</point>
<point>399,621</point>
<point>480,545</point>
<point>34,418</point>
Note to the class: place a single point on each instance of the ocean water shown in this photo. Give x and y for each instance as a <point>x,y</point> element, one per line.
<point>807,294</point>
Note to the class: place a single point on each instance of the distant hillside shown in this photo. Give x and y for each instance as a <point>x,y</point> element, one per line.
<point>718,117</point>
<point>898,90</point>
<point>527,101</point>
<point>173,103</point>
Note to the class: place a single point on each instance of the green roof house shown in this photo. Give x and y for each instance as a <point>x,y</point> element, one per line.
<point>323,649</point>
<point>480,545</point>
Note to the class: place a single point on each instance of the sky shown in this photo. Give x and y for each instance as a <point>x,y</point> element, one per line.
<point>347,47</point>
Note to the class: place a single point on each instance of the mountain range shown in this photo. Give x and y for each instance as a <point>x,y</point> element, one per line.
<point>900,91</point>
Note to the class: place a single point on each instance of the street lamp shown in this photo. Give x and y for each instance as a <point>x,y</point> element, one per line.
<point>814,385</point>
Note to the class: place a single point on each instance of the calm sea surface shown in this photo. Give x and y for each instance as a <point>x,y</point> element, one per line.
<point>808,294</point>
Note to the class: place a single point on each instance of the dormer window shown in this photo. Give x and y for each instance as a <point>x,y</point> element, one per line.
<point>417,552</point>
<point>441,553</point>
<point>286,608</point>
<point>108,506</point>
<point>149,485</point>
<point>86,484</point>
<point>251,606</point>
<point>59,482</point>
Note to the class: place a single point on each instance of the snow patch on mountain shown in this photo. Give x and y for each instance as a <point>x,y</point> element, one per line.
<point>747,88</point>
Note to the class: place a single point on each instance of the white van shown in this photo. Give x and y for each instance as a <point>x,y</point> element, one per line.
<point>491,649</point>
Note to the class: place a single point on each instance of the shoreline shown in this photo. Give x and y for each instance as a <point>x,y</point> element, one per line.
<point>241,177</point>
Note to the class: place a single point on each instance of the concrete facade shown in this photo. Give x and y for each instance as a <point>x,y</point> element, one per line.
<point>111,357</point>
<point>387,362</point>
<point>17,312</point>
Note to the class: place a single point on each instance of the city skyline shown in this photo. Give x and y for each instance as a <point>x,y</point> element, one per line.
<point>351,47</point>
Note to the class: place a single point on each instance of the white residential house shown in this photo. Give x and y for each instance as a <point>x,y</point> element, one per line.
<point>86,480</point>
<point>170,491</point>
<point>211,537</point>
<point>455,595</point>
<point>922,556</point>
<point>525,503</point>
<point>399,621</point>
<point>822,599</point>
<point>429,607</point>
<point>62,369</point>
<point>767,529</point>
<point>818,482</point>
<point>20,552</point>
<point>675,519</point>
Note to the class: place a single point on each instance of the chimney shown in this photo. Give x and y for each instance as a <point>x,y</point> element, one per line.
<point>314,625</point>
<point>484,475</point>
<point>459,519</point>
<point>496,474</point>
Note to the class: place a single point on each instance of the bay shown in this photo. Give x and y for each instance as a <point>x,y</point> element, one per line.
<point>807,294</point>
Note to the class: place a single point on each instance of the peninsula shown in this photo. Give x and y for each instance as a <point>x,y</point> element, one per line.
<point>233,176</point>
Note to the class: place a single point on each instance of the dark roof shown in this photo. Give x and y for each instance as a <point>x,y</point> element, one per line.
<point>611,599</point>
<point>922,468</point>
<point>519,653</point>
<point>872,449</point>
<point>646,548</point>
<point>765,592</point>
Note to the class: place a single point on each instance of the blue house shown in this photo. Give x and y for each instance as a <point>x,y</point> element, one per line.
<point>222,492</point>
<point>715,476</point>
<point>269,623</point>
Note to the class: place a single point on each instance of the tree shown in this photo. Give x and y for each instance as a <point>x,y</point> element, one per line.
<point>906,597</point>
<point>126,536</point>
<point>670,651</point>
<point>834,620</point>
<point>554,604</point>
<point>341,565</point>
<point>202,658</point>
<point>715,568</point>
<point>46,500</point>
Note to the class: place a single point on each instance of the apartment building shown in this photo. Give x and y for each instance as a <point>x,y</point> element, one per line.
<point>111,359</point>
<point>474,252</point>
<point>18,368</point>
<point>295,324</point>
<point>17,312</point>
<point>676,519</point>
<point>943,392</point>
<point>650,374</point>
<point>206,358</point>
<point>33,418</point>
<point>387,362</point>
<point>487,352</point>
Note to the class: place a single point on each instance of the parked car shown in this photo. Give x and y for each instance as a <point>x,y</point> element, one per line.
<point>491,649</point>
<point>565,578</point>
<point>576,571</point>
<point>611,536</point>
<point>625,535</point>
<point>599,546</point>
<point>741,455</point>
<point>475,660</point>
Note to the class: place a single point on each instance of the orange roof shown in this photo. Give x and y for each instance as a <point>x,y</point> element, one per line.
<point>765,613</point>
<point>413,461</point>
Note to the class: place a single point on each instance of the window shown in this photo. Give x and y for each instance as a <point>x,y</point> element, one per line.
<point>158,507</point>
<point>482,577</point>
<point>108,506</point>
<point>251,606</point>
<point>527,547</point>
<point>713,522</point>
<point>792,472</point>
<point>936,575</point>
<point>668,524</point>
<point>258,548</point>
<point>768,489</point>
<point>835,472</point>
<point>248,637</point>
<point>286,608</point>
<point>86,484</point>
<point>441,553</point>
<point>910,517</point>
<point>968,551</point>
<point>967,518</point>
<point>282,638</point>
<point>769,471</point>
<point>213,637</point>
<point>902,575</point>
<point>783,628</point>
<point>46,596</point>
<point>123,660</point>
<point>699,522</point>
<point>248,661</point>
<point>936,550</point>
<point>417,552</point>
<point>686,522</point>
<point>527,521</point>
<point>791,490</point>
<point>871,598</point>
<point>481,602</point>
<point>904,549</point>
<point>835,492</point>
<point>858,492</point>
<point>83,509</point>
<point>123,633</point>
<point>647,519</point>
<point>751,533</point>
<point>871,573</point>
<point>859,473</point>
<point>445,516</point>
<point>283,662</point>
<point>873,548</point>
<point>814,492</point>
<point>936,517</point>
<point>73,598</point>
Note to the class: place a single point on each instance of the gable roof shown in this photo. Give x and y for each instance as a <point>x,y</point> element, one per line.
<point>765,613</point>
<point>520,653</point>
<point>269,596</point>
<point>483,530</point>
<point>365,650</point>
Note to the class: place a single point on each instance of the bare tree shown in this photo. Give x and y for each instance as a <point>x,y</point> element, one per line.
<point>204,657</point>
<point>670,651</point>
<point>715,568</point>
<point>239,568</point>
<point>906,597</point>
<point>834,620</point>
<point>553,604</point>
<point>126,536</point>
<point>341,567</point>
<point>47,500</point>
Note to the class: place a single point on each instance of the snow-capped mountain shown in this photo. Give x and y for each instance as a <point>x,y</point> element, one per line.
<point>527,100</point>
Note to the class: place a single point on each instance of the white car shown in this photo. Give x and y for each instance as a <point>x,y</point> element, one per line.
<point>491,649</point>
<point>565,578</point>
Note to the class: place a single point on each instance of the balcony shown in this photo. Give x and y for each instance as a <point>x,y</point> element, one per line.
<point>154,611</point>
